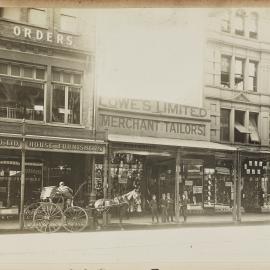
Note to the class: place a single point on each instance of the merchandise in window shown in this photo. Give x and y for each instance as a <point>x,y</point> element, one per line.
<point>239,74</point>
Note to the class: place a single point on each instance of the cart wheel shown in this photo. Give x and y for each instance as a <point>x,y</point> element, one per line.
<point>48,217</point>
<point>28,215</point>
<point>76,219</point>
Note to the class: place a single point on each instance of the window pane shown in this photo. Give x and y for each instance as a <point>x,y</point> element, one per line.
<point>252,69</point>
<point>15,70</point>
<point>58,106</point>
<point>74,105</point>
<point>66,77</point>
<point>77,78</point>
<point>56,76</point>
<point>37,17</point>
<point>68,23</point>
<point>3,68</point>
<point>224,124</point>
<point>225,22</point>
<point>252,23</point>
<point>40,74</point>
<point>21,100</point>
<point>11,13</point>
<point>239,66</point>
<point>28,72</point>
<point>32,100</point>
<point>225,64</point>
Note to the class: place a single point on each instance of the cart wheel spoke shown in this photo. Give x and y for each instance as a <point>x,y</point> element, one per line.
<point>76,219</point>
<point>48,217</point>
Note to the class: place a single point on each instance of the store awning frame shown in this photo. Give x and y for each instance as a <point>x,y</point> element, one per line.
<point>170,142</point>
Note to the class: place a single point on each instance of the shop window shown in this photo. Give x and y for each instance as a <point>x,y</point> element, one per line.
<point>11,13</point>
<point>20,98</point>
<point>239,24</point>
<point>253,128</point>
<point>225,71</point>
<point>240,131</point>
<point>225,124</point>
<point>253,25</point>
<point>68,21</point>
<point>226,23</point>
<point>252,78</point>
<point>37,16</point>
<point>239,74</point>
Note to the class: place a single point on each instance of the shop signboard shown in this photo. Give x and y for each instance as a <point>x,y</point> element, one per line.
<point>65,146</point>
<point>10,143</point>
<point>197,189</point>
<point>188,183</point>
<point>153,118</point>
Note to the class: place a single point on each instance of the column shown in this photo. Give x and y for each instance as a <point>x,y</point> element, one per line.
<point>232,120</point>
<point>177,181</point>
<point>105,184</point>
<point>239,180</point>
<point>235,187</point>
<point>246,122</point>
<point>21,220</point>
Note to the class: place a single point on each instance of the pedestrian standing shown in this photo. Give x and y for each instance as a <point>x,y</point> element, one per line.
<point>154,208</point>
<point>184,202</point>
<point>163,206</point>
<point>170,204</point>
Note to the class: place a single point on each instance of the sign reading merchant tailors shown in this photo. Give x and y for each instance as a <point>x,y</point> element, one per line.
<point>153,118</point>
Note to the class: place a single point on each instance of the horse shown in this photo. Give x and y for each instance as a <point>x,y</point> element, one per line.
<point>123,202</point>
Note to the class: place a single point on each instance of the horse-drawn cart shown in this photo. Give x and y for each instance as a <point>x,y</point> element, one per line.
<point>54,211</point>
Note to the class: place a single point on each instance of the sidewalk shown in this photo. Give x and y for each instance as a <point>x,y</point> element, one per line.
<point>145,222</point>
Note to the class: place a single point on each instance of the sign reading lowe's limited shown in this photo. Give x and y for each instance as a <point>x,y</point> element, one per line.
<point>153,118</point>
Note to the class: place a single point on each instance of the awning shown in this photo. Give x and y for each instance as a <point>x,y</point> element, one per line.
<point>254,135</point>
<point>169,142</point>
<point>241,128</point>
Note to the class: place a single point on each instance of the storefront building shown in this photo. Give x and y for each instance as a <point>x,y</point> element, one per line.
<point>236,92</point>
<point>162,147</point>
<point>46,105</point>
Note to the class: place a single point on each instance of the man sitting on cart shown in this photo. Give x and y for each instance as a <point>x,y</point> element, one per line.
<point>66,192</point>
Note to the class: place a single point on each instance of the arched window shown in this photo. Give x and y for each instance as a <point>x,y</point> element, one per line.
<point>253,25</point>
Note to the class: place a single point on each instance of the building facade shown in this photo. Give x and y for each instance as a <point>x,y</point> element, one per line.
<point>46,103</point>
<point>237,94</point>
<point>161,147</point>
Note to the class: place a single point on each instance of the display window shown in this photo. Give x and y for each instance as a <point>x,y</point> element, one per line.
<point>22,91</point>
<point>10,182</point>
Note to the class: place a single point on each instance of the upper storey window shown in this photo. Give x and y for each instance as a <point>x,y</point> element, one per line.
<point>11,13</point>
<point>239,24</point>
<point>253,25</point>
<point>226,22</point>
<point>37,16</point>
<point>68,21</point>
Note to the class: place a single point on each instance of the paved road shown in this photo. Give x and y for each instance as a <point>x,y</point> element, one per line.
<point>230,247</point>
